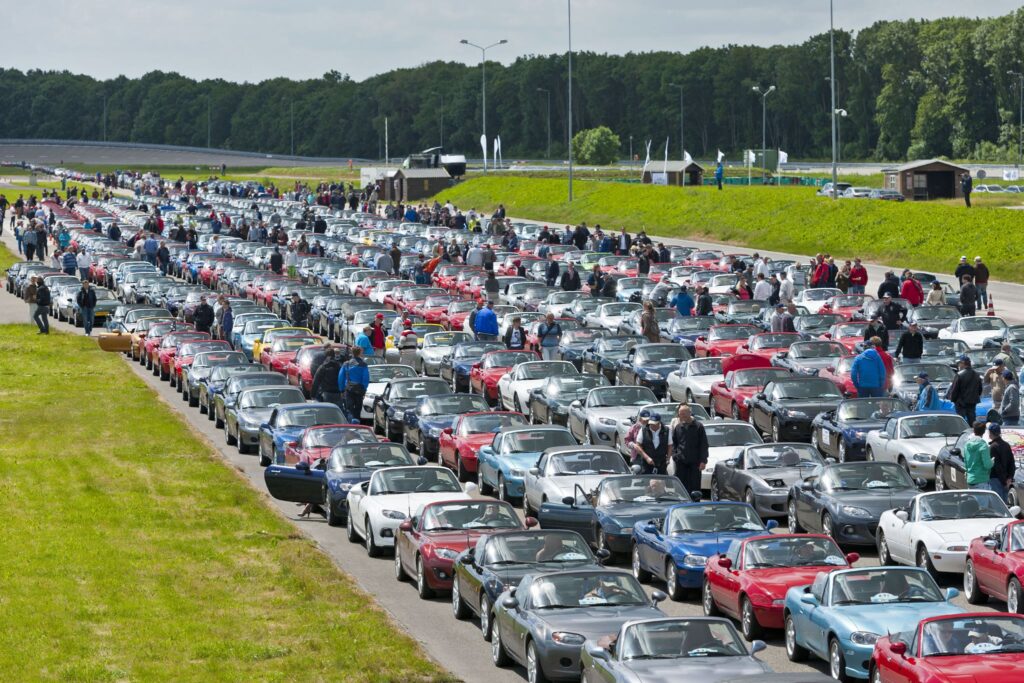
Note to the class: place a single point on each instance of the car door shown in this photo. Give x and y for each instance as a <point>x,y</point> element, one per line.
<point>380,409</point>
<point>953,468</point>
<point>898,534</point>
<point>760,409</point>
<point>890,447</point>
<point>295,484</point>
<point>266,440</point>
<point>725,583</point>
<point>625,373</point>
<point>809,504</point>
<point>532,481</point>
<point>819,621</point>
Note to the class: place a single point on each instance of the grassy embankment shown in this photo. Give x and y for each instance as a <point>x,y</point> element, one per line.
<point>927,236</point>
<point>131,552</point>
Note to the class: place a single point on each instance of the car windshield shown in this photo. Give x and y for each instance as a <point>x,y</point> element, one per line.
<point>291,344</point>
<point>474,515</point>
<point>452,404</point>
<point>713,517</point>
<point>847,301</point>
<point>489,423</point>
<point>585,462</point>
<point>704,366</point>
<point>415,480</point>
<point>934,426</point>
<point>935,313</point>
<point>948,505</point>
<point>613,344</point>
<point>782,455</point>
<point>746,306</point>
<point>792,552</point>
<point>604,397</point>
<point>803,322</point>
<point>850,330</point>
<point>437,301</point>
<point>536,547</point>
<point>819,294</point>
<point>936,372</point>
<point>732,332</point>
<point>758,377</point>
<point>661,353</point>
<point>641,489</point>
<point>810,388</point>
<point>445,338</point>
<point>460,307</point>
<point>976,635</point>
<point>535,441</point>
<point>507,359</point>
<point>816,350</point>
<point>882,586</point>
<point>681,639</point>
<point>974,324</point>
<point>310,415</point>
<point>353,455</point>
<point>542,370</point>
<point>384,372</point>
<point>581,336</point>
<point>264,398</point>
<point>573,387</point>
<point>618,309</point>
<point>730,434</point>
<point>476,349</point>
<point>328,437</point>
<point>866,477</point>
<point>691,324</point>
<point>866,409</point>
<point>423,387</point>
<point>561,591</point>
<point>774,341</point>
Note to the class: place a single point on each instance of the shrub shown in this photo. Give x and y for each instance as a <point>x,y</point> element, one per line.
<point>596,146</point>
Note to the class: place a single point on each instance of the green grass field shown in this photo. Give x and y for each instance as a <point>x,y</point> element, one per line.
<point>926,236</point>
<point>131,552</point>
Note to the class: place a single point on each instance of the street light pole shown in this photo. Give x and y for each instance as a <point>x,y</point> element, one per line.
<point>682,148</point>
<point>547,92</point>
<point>764,126</point>
<point>631,151</point>
<point>483,85</point>
<point>832,87</point>
<point>569,8</point>
<point>1020,128</point>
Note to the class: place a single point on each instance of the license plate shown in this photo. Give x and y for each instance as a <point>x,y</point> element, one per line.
<point>952,475</point>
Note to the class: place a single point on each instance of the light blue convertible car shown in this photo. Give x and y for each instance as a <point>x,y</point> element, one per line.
<point>502,465</point>
<point>840,616</point>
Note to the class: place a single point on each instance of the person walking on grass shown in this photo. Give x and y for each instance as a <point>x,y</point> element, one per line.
<point>43,301</point>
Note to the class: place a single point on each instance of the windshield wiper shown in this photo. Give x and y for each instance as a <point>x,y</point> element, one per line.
<point>762,565</point>
<point>653,657</point>
<point>837,603</point>
<point>445,528</point>
<point>505,563</point>
<point>558,606</point>
<point>669,497</point>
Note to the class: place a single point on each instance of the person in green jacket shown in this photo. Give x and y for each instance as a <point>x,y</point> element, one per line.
<point>978,459</point>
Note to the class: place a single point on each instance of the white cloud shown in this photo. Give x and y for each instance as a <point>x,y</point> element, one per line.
<point>252,40</point>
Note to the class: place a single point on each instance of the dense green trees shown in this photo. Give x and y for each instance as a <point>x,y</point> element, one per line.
<point>598,146</point>
<point>917,88</point>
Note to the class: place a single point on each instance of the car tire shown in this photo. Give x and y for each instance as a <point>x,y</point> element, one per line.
<point>874,675</point>
<point>940,482</point>
<point>689,396</point>
<point>459,608</point>
<point>884,556</point>
<point>923,561</point>
<point>422,587</point>
<point>242,447</point>
<point>828,525</point>
<point>972,592</point>
<point>193,401</point>
<point>749,499</point>
<point>333,519</point>
<point>816,440</point>
<point>218,422</point>
<point>736,411</point>
<point>498,654</point>
<point>372,550</point>
<point>265,460</point>
<point>485,488</point>
<point>794,651</point>
<point>460,468</point>
<point>749,625</point>
<point>588,437</point>
<point>534,668</point>
<point>528,510</point>
<point>1011,498</point>
<point>400,574</point>
<point>776,430</point>
<point>708,601</point>
<point>842,456</point>
<point>485,617</point>
<point>1013,596</point>
<point>672,587</point>
<point>836,661</point>
<point>792,521</point>
<point>639,573</point>
<point>503,493</point>
<point>516,405</point>
<point>714,492</point>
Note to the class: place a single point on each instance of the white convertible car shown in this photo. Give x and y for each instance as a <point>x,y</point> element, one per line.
<point>691,383</point>
<point>935,530</point>
<point>813,299</point>
<point>514,387</point>
<point>973,330</point>
<point>565,471</point>
<point>378,506</point>
<point>913,440</point>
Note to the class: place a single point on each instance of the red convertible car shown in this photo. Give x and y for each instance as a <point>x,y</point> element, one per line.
<point>433,308</point>
<point>995,567</point>
<point>485,373</point>
<point>186,353</point>
<point>750,580</point>
<point>767,344</point>
<point>455,316</point>
<point>168,349</point>
<point>977,647</point>
<point>427,545</point>
<point>839,374</point>
<point>282,351</point>
<point>300,369</point>
<point>847,334</point>
<point>723,340</point>
<point>745,375</point>
<point>845,305</point>
<point>460,442</point>
<point>317,441</point>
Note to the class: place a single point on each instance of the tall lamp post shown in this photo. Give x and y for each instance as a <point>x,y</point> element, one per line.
<point>547,92</point>
<point>682,148</point>
<point>483,83</point>
<point>568,4</point>
<point>764,125</point>
<point>832,87</point>
<point>1020,129</point>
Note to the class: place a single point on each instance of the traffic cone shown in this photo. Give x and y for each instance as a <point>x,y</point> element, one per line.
<point>991,310</point>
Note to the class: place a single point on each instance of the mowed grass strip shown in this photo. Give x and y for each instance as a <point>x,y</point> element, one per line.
<point>131,552</point>
<point>921,235</point>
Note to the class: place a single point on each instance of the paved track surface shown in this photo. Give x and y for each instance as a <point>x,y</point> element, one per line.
<point>144,156</point>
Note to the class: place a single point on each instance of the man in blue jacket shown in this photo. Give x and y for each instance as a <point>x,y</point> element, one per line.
<point>486,323</point>
<point>353,380</point>
<point>868,373</point>
<point>683,303</point>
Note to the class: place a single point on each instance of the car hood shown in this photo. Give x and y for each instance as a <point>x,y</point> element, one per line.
<point>523,461</point>
<point>616,413</point>
<point>628,514</point>
<point>862,425</point>
<point>693,668</point>
<point>928,444</point>
<point>789,475</point>
<point>776,581</point>
<point>707,543</point>
<point>810,408</point>
<point>595,622</point>
<point>875,502</point>
<point>813,363</point>
<point>437,421</point>
<point>953,530</point>
<point>892,617</point>
<point>435,354</point>
<point>661,368</point>
<point>255,414</point>
<point>409,503</point>
<point>566,485</point>
<point>456,540</point>
<point>974,668</point>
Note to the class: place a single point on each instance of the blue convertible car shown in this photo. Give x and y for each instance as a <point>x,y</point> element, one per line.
<point>842,432</point>
<point>502,466</point>
<point>286,424</point>
<point>840,616</point>
<point>676,547</point>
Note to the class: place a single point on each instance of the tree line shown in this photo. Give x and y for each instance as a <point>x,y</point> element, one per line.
<point>911,89</point>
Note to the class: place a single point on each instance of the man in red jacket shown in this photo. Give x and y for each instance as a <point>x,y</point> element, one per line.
<point>887,361</point>
<point>911,290</point>
<point>821,273</point>
<point>858,277</point>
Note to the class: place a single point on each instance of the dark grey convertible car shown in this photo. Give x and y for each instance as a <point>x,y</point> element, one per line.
<point>761,475</point>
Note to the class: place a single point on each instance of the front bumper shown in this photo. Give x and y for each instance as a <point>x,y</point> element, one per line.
<point>247,436</point>
<point>925,470</point>
<point>771,504</point>
<point>950,561</point>
<point>858,658</point>
<point>560,662</point>
<point>795,429</point>
<point>690,577</point>
<point>619,542</point>
<point>439,574</point>
<point>855,532</point>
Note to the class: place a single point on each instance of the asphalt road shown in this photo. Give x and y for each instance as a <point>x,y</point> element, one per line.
<point>143,156</point>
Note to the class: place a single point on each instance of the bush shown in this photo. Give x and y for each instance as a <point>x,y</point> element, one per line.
<point>596,146</point>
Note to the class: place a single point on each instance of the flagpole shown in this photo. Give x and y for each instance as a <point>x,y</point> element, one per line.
<point>569,117</point>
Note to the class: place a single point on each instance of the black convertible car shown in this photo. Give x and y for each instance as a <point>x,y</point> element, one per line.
<point>786,407</point>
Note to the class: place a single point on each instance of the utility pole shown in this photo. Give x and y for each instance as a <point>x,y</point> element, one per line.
<point>547,152</point>
<point>832,86</point>
<point>764,127</point>
<point>483,84</point>
<point>569,7</point>
<point>630,151</point>
<point>1020,128</point>
<point>682,147</point>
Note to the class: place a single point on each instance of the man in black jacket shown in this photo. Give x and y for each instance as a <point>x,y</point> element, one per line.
<point>325,379</point>
<point>571,279</point>
<point>892,313</point>
<point>875,328</point>
<point>689,449</point>
<point>704,303</point>
<point>890,285</point>
<point>298,310</point>
<point>86,300</point>
<point>552,271</point>
<point>623,242</point>
<point>43,301</point>
<point>965,391</point>
<point>203,316</point>
<point>911,344</point>
<point>276,261</point>
<point>652,444</point>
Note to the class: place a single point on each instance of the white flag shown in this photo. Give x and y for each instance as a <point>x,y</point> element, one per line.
<point>783,158</point>
<point>687,159</point>
<point>665,167</point>
<point>483,146</point>
<point>721,156</point>
<point>750,157</point>
<point>494,154</point>
<point>647,159</point>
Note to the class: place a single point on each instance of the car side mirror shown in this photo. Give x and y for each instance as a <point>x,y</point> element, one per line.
<point>991,544</point>
<point>725,563</point>
<point>598,652</point>
<point>302,466</point>
<point>757,646</point>
<point>534,471</point>
<point>470,488</point>
<point>760,396</point>
<point>657,596</point>
<point>898,648</point>
<point>951,593</point>
<point>954,452</point>
<point>852,557</point>
<point>921,483</point>
<point>902,515</point>
<point>651,529</point>
<point>807,486</point>
<point>808,599</point>
<point>570,501</point>
<point>1015,511</point>
<point>576,404</point>
<point>265,426</point>
<point>421,460</point>
<point>448,430</point>
<point>406,525</point>
<point>883,436</point>
<point>510,603</point>
<point>530,522</point>
<point>771,524</point>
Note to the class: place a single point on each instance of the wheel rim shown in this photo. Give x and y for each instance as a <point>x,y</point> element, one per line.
<point>496,645</point>
<point>421,579</point>
<point>456,599</point>
<point>842,451</point>
<point>735,411</point>
<point>602,541</point>
<point>826,525</point>
<point>636,563</point>
<point>708,600</point>
<point>398,564</point>
<point>747,618</point>
<point>749,498</point>
<point>1013,597</point>
<point>586,435</point>
<point>790,637</point>
<point>883,550</point>
<point>922,557</point>
<point>715,494</point>
<point>792,517</point>
<point>834,655</point>
<point>969,580</point>
<point>485,616</point>
<point>531,664</point>
<point>940,485</point>
<point>815,441</point>
<point>502,494</point>
<point>670,583</point>
<point>775,430</point>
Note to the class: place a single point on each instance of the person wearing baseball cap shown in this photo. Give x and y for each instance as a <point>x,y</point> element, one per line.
<point>876,328</point>
<point>965,390</point>
<point>652,445</point>
<point>892,314</point>
<point>927,396</point>
<point>630,441</point>
<point>962,269</point>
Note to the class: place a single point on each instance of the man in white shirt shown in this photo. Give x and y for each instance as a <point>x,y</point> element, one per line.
<point>83,265</point>
<point>761,267</point>
<point>763,288</point>
<point>785,288</point>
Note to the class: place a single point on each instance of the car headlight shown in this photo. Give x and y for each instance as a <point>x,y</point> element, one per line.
<point>778,602</point>
<point>566,638</point>
<point>435,432</point>
<point>393,514</point>
<point>446,553</point>
<point>863,638</point>
<point>853,511</point>
<point>516,473</point>
<point>694,561</point>
<point>775,483</point>
<point>922,457</point>
<point>607,421</point>
<point>345,487</point>
<point>859,435</point>
<point>795,413</point>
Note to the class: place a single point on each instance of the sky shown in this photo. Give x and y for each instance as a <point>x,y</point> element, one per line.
<point>252,40</point>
